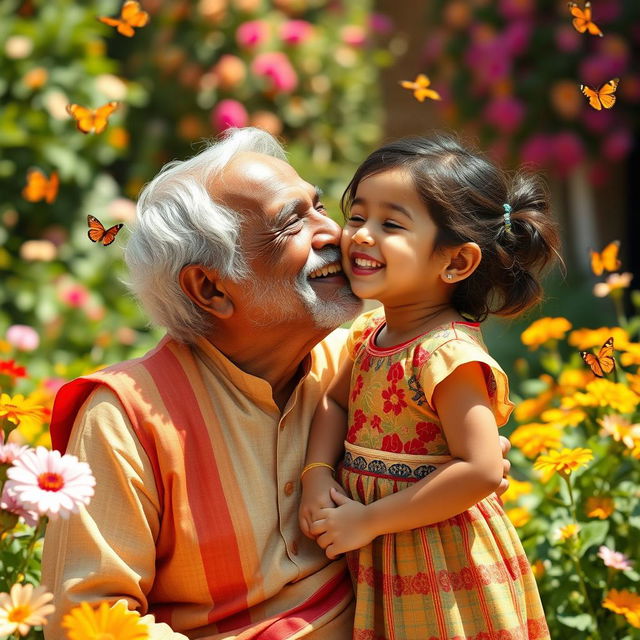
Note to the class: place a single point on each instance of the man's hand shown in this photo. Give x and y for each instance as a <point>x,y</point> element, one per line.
<point>316,486</point>
<point>343,528</point>
<point>505,446</point>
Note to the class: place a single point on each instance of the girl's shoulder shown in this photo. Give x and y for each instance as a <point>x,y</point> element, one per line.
<point>362,327</point>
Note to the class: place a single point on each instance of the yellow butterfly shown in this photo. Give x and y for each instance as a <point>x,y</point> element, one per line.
<point>420,88</point>
<point>131,15</point>
<point>605,260</point>
<point>602,97</point>
<point>39,187</point>
<point>582,19</point>
<point>88,120</point>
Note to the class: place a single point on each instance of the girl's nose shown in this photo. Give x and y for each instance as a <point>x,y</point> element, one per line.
<point>362,236</point>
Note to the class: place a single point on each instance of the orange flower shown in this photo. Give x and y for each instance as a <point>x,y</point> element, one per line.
<point>516,489</point>
<point>599,507</point>
<point>631,354</point>
<point>543,330</point>
<point>519,516</point>
<point>22,411</point>
<point>625,603</point>
<point>564,417</point>
<point>562,462</point>
<point>531,408</point>
<point>568,531</point>
<point>571,380</point>
<point>538,569</point>
<point>583,339</point>
<point>620,429</point>
<point>604,393</point>
<point>532,439</point>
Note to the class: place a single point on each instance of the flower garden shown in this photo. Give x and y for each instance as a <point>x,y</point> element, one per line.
<point>96,99</point>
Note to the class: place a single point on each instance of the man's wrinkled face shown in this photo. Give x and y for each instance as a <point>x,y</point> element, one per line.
<point>291,245</point>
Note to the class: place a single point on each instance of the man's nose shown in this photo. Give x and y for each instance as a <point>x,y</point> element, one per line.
<point>328,232</point>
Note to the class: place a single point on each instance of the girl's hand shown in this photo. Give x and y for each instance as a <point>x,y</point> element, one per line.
<point>343,528</point>
<point>316,485</point>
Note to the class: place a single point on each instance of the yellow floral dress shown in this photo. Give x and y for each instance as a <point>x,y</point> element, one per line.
<point>465,578</point>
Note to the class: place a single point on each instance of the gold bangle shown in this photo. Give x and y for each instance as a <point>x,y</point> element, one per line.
<point>313,465</point>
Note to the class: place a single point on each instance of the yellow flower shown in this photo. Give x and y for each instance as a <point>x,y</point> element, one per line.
<point>114,623</point>
<point>583,339</point>
<point>568,531</point>
<point>603,393</point>
<point>543,330</point>
<point>532,407</point>
<point>516,489</point>
<point>564,417</point>
<point>599,507</point>
<point>634,382</point>
<point>532,439</point>
<point>630,355</point>
<point>620,429</point>
<point>571,380</point>
<point>24,607</point>
<point>519,516</point>
<point>625,603</point>
<point>613,282</point>
<point>562,462</point>
<point>22,411</point>
<point>538,569</point>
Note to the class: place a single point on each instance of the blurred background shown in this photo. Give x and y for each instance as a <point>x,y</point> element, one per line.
<point>322,75</point>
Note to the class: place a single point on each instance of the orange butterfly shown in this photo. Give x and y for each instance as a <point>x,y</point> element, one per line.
<point>97,232</point>
<point>605,260</point>
<point>602,97</point>
<point>88,120</point>
<point>131,15</point>
<point>582,19</point>
<point>602,363</point>
<point>39,187</point>
<point>420,88</point>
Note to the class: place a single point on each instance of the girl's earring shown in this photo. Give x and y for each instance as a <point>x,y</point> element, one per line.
<point>449,276</point>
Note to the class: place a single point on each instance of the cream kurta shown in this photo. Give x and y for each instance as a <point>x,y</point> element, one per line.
<point>194,519</point>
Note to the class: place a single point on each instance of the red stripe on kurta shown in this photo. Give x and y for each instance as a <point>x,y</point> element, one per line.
<point>218,545</point>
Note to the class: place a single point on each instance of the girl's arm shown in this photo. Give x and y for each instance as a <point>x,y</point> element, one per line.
<point>326,444</point>
<point>470,428</point>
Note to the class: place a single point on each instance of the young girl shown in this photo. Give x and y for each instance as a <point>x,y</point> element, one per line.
<point>441,238</point>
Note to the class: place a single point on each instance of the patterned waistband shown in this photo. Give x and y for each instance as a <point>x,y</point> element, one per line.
<point>398,466</point>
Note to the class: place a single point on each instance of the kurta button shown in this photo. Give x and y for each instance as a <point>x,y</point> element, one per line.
<point>288,488</point>
<point>294,548</point>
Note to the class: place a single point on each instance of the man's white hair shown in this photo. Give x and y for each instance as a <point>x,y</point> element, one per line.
<point>178,223</point>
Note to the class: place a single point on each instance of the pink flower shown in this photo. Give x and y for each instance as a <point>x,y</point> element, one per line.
<point>567,39</point>
<point>11,451</point>
<point>617,145</point>
<point>516,37</point>
<point>434,47</point>
<point>614,559</point>
<point>568,152</point>
<point>252,33</point>
<point>597,121</point>
<point>505,113</point>
<point>229,113</point>
<point>74,294</point>
<point>9,502</point>
<point>608,10</point>
<point>22,337</point>
<point>596,69</point>
<point>353,35</point>
<point>536,150</point>
<point>276,66</point>
<point>50,483</point>
<point>296,31</point>
<point>380,23</point>
<point>512,9</point>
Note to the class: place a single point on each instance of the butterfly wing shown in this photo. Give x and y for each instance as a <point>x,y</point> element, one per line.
<point>606,93</point>
<point>51,189</point>
<point>609,256</point>
<point>83,116</point>
<point>596,263</point>
<point>111,233</point>
<point>593,363</point>
<point>579,18</point>
<point>96,229</point>
<point>101,115</point>
<point>592,95</point>
<point>132,14</point>
<point>605,356</point>
<point>34,190</point>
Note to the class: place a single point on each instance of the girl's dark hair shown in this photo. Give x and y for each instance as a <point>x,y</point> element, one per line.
<point>465,194</point>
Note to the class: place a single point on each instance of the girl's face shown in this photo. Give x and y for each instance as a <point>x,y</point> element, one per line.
<point>388,243</point>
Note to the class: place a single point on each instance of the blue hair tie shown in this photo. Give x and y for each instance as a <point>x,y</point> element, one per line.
<point>507,216</point>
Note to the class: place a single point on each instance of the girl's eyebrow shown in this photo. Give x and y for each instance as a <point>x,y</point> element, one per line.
<point>394,206</point>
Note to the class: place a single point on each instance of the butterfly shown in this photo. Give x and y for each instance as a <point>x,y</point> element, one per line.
<point>420,88</point>
<point>605,260</point>
<point>602,97</point>
<point>97,232</point>
<point>602,363</point>
<point>582,19</point>
<point>88,120</point>
<point>131,15</point>
<point>39,187</point>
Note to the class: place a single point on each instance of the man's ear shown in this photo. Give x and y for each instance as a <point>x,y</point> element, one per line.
<point>463,261</point>
<point>205,288</point>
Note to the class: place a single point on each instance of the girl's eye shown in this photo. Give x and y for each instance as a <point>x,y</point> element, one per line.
<point>392,225</point>
<point>355,219</point>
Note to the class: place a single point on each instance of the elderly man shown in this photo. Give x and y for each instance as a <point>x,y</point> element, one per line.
<point>197,447</point>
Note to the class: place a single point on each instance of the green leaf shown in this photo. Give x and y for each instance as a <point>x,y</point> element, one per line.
<point>581,621</point>
<point>591,534</point>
